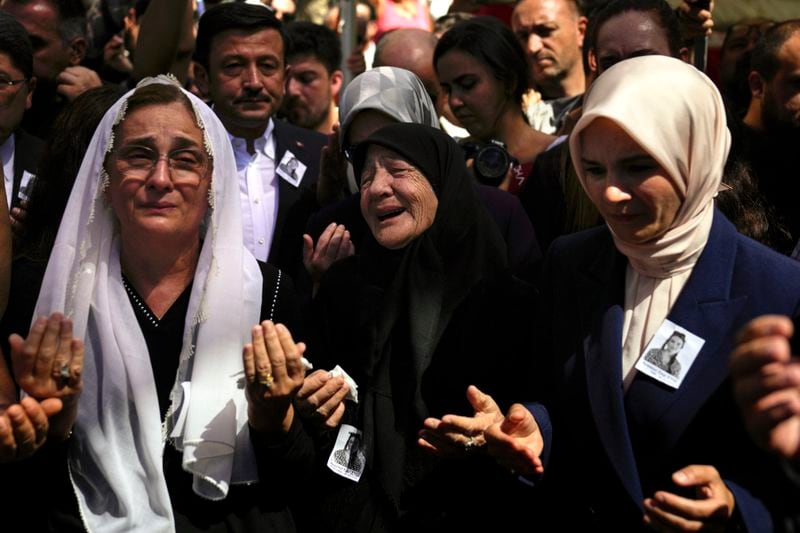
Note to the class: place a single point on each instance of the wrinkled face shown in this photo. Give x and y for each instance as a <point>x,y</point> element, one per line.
<point>476,98</point>
<point>673,345</point>
<point>309,92</point>
<point>51,54</point>
<point>159,174</point>
<point>629,34</point>
<point>633,193</point>
<point>14,99</point>
<point>552,35</point>
<point>397,201</point>
<point>246,79</point>
<point>781,99</point>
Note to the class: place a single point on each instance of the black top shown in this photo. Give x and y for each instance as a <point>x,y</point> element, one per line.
<point>258,507</point>
<point>414,327</point>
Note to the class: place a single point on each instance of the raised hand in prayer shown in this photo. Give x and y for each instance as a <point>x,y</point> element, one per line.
<point>273,366</point>
<point>766,383</point>
<point>333,245</point>
<point>48,364</point>
<point>454,435</point>
<point>332,183</point>
<point>710,510</point>
<point>321,399</point>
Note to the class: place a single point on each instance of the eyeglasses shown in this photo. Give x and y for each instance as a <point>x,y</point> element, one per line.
<point>185,164</point>
<point>6,84</point>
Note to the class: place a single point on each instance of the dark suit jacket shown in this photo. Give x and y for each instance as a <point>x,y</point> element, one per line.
<point>27,153</point>
<point>611,450</point>
<point>295,204</point>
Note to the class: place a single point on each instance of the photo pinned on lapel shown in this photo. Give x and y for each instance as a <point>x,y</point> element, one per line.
<point>670,354</point>
<point>26,186</point>
<point>291,169</point>
<point>347,458</point>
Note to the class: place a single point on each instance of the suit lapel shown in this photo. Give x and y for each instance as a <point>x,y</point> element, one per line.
<point>705,307</point>
<point>600,282</point>
<point>287,193</point>
<point>26,154</point>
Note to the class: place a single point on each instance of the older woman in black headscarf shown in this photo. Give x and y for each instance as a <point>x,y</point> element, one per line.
<point>427,309</point>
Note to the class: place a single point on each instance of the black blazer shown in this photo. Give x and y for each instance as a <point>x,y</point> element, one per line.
<point>295,204</point>
<point>27,153</point>
<point>611,449</point>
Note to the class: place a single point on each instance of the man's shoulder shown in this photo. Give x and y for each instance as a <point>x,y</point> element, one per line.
<point>28,150</point>
<point>27,142</point>
<point>312,141</point>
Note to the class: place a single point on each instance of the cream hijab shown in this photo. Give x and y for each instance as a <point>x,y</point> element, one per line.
<point>115,455</point>
<point>676,114</point>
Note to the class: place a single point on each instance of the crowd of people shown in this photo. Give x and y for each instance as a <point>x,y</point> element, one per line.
<point>522,263</point>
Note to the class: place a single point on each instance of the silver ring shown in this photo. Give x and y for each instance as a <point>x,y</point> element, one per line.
<point>64,375</point>
<point>471,444</point>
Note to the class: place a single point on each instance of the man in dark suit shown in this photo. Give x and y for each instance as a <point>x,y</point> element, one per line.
<point>58,31</point>
<point>19,151</point>
<point>241,50</point>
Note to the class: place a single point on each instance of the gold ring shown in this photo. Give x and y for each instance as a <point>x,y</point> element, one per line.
<point>266,379</point>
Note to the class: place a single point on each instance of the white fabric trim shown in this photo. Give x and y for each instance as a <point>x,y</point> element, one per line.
<point>116,448</point>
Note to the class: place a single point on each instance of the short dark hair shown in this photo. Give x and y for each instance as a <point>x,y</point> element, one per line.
<point>307,38</point>
<point>493,44</point>
<point>662,13</point>
<point>15,43</point>
<point>765,54</point>
<point>234,16</point>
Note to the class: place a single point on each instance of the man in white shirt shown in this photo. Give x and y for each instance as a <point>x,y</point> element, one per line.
<point>19,152</point>
<point>241,51</point>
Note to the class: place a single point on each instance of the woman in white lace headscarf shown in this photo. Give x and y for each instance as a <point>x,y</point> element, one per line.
<point>149,266</point>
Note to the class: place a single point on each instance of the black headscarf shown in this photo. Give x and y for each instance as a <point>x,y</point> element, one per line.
<point>436,272</point>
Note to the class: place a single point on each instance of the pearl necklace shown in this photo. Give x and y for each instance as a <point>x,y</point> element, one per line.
<point>138,303</point>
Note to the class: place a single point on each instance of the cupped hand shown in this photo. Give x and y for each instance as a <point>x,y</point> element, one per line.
<point>455,435</point>
<point>24,427</point>
<point>274,371</point>
<point>333,245</point>
<point>710,510</point>
<point>49,362</point>
<point>321,399</point>
<point>516,442</point>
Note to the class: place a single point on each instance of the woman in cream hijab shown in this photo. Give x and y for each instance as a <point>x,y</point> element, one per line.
<point>173,425</point>
<point>621,442</point>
